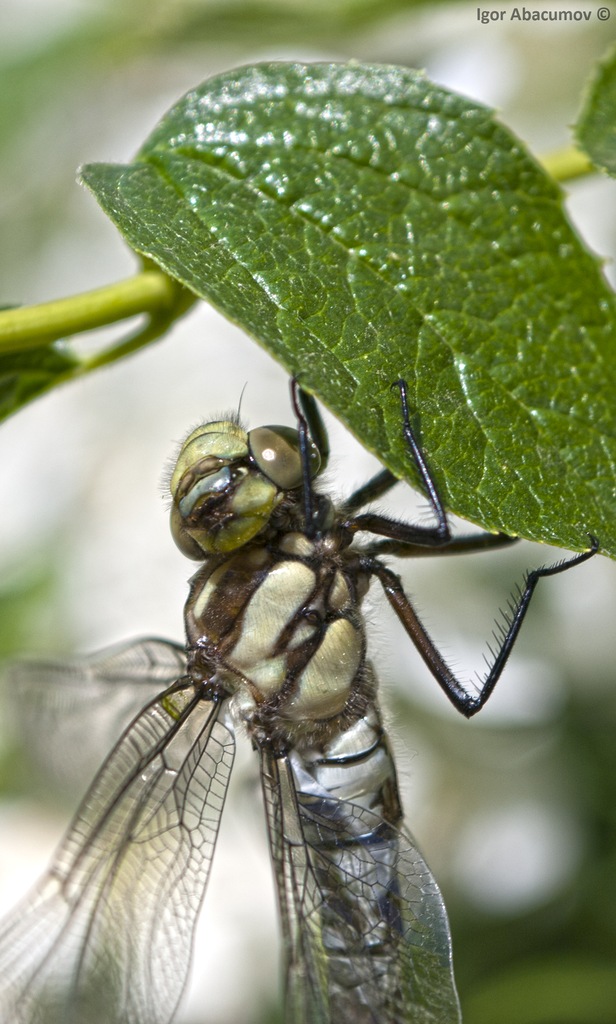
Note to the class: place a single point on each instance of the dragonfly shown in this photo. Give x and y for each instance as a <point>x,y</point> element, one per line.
<point>275,647</point>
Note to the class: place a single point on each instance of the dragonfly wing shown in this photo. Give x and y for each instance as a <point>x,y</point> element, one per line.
<point>364,924</point>
<point>51,705</point>
<point>106,937</point>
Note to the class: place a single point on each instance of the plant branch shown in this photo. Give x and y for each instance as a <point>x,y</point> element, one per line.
<point>153,329</point>
<point>567,163</point>
<point>151,292</point>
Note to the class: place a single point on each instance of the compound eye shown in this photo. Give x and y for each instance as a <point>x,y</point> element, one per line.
<point>275,450</point>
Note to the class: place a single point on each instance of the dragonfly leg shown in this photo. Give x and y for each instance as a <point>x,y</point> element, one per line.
<point>406,539</point>
<point>314,420</point>
<point>468,704</point>
<point>465,545</point>
<point>374,488</point>
<point>442,526</point>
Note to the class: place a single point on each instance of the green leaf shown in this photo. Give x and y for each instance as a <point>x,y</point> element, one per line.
<point>24,375</point>
<point>365,225</point>
<point>596,126</point>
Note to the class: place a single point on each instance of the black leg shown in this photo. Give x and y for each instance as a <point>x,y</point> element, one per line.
<point>376,487</point>
<point>316,427</point>
<point>408,539</point>
<point>404,533</point>
<point>442,527</point>
<point>304,440</point>
<point>467,544</point>
<point>464,702</point>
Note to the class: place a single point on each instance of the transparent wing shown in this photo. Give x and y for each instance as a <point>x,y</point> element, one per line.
<point>51,705</point>
<point>364,924</point>
<point>106,937</point>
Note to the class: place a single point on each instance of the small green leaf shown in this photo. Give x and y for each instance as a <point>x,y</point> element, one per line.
<point>24,375</point>
<point>596,127</point>
<point>365,225</point>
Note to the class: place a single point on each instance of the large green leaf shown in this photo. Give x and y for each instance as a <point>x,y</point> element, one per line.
<point>364,225</point>
<point>596,127</point>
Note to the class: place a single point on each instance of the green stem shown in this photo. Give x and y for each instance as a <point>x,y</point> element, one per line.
<point>153,329</point>
<point>567,164</point>
<point>150,292</point>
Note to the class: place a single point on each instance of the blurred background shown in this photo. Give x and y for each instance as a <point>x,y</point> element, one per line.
<point>514,811</point>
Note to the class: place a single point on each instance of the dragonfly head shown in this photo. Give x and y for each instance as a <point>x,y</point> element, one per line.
<point>228,482</point>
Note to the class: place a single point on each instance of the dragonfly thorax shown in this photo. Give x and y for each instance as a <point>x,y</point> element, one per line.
<point>282,632</point>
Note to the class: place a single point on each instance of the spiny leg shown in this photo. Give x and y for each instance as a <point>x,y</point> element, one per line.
<point>464,702</point>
